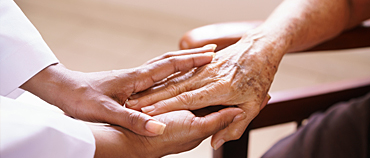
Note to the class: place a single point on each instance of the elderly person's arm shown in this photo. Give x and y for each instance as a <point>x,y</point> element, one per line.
<point>184,131</point>
<point>241,74</point>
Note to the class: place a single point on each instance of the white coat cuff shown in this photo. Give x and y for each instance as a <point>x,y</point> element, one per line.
<point>37,132</point>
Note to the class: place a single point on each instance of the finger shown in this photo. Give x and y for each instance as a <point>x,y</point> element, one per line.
<point>176,78</point>
<point>167,91</point>
<point>152,73</point>
<point>236,129</point>
<point>190,100</point>
<point>172,79</point>
<point>206,48</point>
<point>135,121</point>
<point>166,67</point>
<point>216,121</point>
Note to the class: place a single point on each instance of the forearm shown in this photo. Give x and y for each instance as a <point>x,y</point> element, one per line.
<point>299,25</point>
<point>295,25</point>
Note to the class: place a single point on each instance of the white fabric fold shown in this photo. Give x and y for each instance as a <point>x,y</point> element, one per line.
<point>28,130</point>
<point>23,52</point>
<point>37,132</point>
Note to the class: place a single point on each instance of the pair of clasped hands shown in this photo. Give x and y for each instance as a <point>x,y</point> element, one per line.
<point>168,105</point>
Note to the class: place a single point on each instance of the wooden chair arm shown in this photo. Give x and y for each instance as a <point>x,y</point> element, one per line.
<point>222,34</point>
<point>225,34</point>
<point>295,105</point>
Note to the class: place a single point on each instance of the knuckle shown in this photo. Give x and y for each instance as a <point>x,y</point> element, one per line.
<point>211,69</point>
<point>224,84</point>
<point>172,59</point>
<point>133,119</point>
<point>168,54</point>
<point>223,124</point>
<point>235,134</point>
<point>140,78</point>
<point>163,106</point>
<point>172,89</point>
<point>186,99</point>
<point>135,72</point>
<point>220,87</point>
<point>180,63</point>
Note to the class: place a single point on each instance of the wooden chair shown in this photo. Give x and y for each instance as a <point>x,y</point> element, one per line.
<point>299,104</point>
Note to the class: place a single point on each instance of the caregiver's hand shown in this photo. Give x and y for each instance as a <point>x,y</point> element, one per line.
<point>239,75</point>
<point>184,131</point>
<point>100,96</point>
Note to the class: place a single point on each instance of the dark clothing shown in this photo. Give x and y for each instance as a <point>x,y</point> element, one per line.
<point>342,131</point>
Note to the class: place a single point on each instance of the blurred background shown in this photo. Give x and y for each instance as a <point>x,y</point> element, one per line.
<point>96,35</point>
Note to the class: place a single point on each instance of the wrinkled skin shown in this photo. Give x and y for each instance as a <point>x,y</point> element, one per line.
<point>184,131</point>
<point>100,96</point>
<point>242,73</point>
<point>239,75</point>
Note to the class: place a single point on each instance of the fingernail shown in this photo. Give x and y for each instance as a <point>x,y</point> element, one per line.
<point>211,53</point>
<point>265,101</point>
<point>212,46</point>
<point>155,127</point>
<point>218,144</point>
<point>131,103</point>
<point>125,104</point>
<point>268,97</point>
<point>147,109</point>
<point>239,117</point>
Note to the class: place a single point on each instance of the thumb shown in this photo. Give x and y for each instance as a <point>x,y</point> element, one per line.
<point>137,122</point>
<point>214,122</point>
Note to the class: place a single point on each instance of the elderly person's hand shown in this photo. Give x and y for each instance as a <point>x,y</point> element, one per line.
<point>184,131</point>
<point>239,75</point>
<point>242,73</point>
<point>100,96</point>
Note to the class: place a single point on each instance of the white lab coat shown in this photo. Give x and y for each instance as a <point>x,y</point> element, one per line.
<point>27,130</point>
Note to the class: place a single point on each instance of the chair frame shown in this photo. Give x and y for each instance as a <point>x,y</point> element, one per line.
<point>295,106</point>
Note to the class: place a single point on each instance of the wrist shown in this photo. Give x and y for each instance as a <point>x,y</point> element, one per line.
<point>114,141</point>
<point>47,84</point>
<point>267,41</point>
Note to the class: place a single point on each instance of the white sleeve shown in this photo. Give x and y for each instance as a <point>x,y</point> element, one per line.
<point>36,132</point>
<point>23,52</point>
